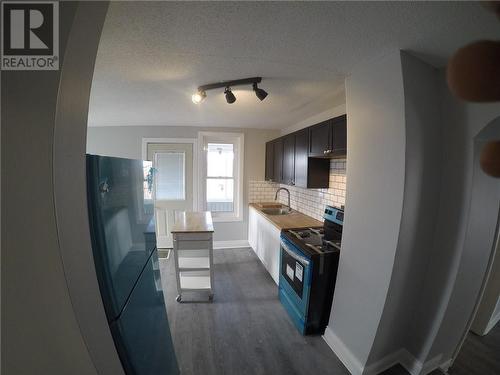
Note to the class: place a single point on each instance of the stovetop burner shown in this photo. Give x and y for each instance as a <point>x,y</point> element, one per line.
<point>313,238</point>
<point>320,239</point>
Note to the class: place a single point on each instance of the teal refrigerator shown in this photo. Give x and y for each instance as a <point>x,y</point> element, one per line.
<point>121,217</point>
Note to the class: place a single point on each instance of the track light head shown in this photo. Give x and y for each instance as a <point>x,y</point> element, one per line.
<point>198,97</point>
<point>230,98</point>
<point>260,93</point>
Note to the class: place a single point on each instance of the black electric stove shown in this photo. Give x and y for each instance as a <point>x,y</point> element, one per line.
<point>308,269</point>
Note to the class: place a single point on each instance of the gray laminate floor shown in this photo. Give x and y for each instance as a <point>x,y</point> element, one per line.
<point>245,330</point>
<point>479,355</point>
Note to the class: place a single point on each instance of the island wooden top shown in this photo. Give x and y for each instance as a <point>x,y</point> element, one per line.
<point>293,220</point>
<point>192,222</point>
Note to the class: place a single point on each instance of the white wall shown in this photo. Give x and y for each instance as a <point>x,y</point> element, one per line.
<point>126,141</point>
<point>40,333</point>
<point>421,197</point>
<point>338,109</point>
<point>407,287</point>
<point>376,140</point>
<point>488,314</point>
<point>467,222</point>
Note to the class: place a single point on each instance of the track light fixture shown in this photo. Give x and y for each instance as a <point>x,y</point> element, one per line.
<point>200,95</point>
<point>261,94</point>
<point>230,98</point>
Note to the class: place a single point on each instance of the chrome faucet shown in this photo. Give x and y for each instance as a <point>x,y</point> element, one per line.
<point>288,191</point>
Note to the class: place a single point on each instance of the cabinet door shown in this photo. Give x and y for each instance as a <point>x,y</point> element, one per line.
<point>278,160</point>
<point>301,157</point>
<point>320,138</point>
<point>289,159</point>
<point>252,228</point>
<point>269,161</point>
<point>339,136</point>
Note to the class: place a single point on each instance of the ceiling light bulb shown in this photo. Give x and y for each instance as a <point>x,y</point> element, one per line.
<point>198,97</point>
<point>260,93</point>
<point>230,98</point>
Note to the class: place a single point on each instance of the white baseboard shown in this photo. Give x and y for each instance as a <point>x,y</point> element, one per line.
<point>445,366</point>
<point>233,244</point>
<point>342,352</point>
<point>408,361</point>
<point>385,363</point>
<point>416,367</point>
<point>492,323</point>
<point>401,356</point>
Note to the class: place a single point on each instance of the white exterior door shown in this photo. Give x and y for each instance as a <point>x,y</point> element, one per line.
<point>173,187</point>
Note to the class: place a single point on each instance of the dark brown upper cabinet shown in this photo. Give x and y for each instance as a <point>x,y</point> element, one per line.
<point>309,172</point>
<point>278,160</point>
<point>288,175</point>
<point>339,137</point>
<point>269,174</point>
<point>302,158</point>
<point>329,138</point>
<point>320,138</point>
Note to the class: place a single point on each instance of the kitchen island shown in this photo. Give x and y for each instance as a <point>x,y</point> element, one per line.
<point>193,252</point>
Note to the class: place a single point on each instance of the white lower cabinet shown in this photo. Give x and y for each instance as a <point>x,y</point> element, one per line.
<point>264,238</point>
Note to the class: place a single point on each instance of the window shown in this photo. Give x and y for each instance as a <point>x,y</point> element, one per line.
<point>221,175</point>
<point>170,179</point>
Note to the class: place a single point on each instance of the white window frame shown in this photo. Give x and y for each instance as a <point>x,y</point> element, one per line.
<point>238,140</point>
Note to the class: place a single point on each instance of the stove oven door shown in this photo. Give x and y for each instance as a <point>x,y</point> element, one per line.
<point>295,282</point>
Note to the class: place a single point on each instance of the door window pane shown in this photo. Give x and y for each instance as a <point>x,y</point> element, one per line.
<point>220,158</point>
<point>170,178</point>
<point>220,194</point>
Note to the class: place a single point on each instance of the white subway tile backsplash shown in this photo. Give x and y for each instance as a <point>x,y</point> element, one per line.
<point>311,202</point>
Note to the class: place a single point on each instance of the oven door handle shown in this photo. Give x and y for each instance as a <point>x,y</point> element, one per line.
<point>293,255</point>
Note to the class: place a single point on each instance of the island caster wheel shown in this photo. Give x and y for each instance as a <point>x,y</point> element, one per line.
<point>210,297</point>
<point>178,298</point>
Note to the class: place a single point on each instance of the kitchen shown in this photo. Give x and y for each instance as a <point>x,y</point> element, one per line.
<point>338,132</point>
<point>192,288</point>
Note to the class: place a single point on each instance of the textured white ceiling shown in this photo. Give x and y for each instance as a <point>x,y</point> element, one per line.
<point>153,55</point>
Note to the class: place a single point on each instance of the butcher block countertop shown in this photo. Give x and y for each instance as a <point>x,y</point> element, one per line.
<point>193,222</point>
<point>292,220</point>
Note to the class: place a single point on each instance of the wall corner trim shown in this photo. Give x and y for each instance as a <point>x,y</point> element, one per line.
<point>342,352</point>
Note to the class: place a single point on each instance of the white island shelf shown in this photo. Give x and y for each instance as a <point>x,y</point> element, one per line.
<point>193,252</point>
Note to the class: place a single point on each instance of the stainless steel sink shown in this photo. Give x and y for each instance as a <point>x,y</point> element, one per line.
<point>277,211</point>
